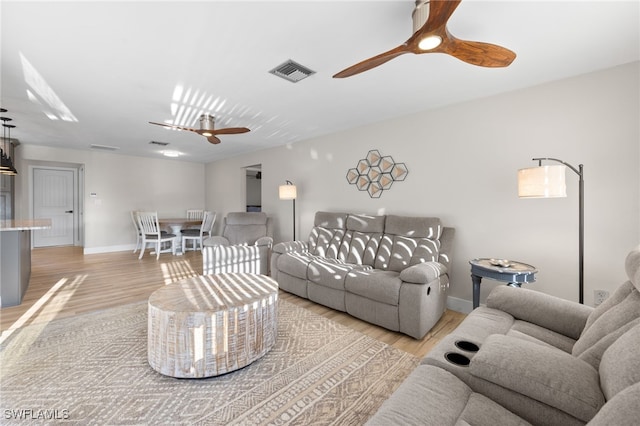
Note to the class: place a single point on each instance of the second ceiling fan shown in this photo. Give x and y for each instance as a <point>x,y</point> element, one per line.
<point>207,129</point>
<point>431,36</point>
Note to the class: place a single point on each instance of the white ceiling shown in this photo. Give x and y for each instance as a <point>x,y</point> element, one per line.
<point>109,68</point>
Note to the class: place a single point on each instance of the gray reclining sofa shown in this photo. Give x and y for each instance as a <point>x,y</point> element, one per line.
<point>391,271</point>
<point>530,358</point>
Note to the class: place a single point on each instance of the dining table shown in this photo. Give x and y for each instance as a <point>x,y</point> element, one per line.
<point>176,224</point>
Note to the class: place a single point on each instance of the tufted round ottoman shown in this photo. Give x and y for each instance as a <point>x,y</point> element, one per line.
<point>212,324</point>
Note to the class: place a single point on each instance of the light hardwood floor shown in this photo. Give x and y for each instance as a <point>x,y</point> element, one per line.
<point>64,282</point>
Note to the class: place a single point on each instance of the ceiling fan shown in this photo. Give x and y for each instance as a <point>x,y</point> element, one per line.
<point>207,128</point>
<point>431,36</point>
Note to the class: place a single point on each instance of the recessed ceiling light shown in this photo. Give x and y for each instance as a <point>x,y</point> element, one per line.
<point>104,147</point>
<point>170,153</point>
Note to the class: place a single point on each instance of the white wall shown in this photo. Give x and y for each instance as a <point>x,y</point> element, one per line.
<point>462,163</point>
<point>121,183</point>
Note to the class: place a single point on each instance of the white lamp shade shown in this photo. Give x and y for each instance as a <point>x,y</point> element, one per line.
<point>542,182</point>
<point>288,192</point>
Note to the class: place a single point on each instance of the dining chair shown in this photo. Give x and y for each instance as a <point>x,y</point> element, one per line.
<point>198,235</point>
<point>152,234</point>
<point>195,214</point>
<point>134,219</point>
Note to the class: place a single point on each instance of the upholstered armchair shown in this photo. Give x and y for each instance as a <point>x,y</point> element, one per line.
<point>244,246</point>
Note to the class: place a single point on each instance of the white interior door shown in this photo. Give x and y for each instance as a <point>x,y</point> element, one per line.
<point>53,198</point>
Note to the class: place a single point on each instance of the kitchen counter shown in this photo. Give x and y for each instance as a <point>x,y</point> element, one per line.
<point>15,258</point>
<point>25,225</point>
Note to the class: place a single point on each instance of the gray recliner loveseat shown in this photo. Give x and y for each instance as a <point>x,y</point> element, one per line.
<point>244,246</point>
<point>531,358</point>
<point>391,271</point>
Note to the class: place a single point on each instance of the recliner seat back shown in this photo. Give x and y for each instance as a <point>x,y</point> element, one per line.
<point>611,319</point>
<point>246,227</point>
<point>361,239</point>
<point>408,241</point>
<point>327,233</point>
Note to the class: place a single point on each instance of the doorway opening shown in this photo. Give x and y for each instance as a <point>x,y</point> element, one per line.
<point>254,188</point>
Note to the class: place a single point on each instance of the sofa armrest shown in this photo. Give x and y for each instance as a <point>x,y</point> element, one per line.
<point>264,241</point>
<point>423,273</point>
<point>216,241</point>
<point>544,374</point>
<point>446,244</point>
<point>553,313</point>
<point>290,247</point>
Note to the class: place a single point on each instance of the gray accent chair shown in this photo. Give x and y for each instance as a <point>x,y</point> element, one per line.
<point>244,246</point>
<point>391,271</point>
<point>537,360</point>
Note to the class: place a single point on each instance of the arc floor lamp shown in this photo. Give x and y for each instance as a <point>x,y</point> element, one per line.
<point>288,191</point>
<point>549,182</point>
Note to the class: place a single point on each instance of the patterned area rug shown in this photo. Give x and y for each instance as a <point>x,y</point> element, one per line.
<point>92,369</point>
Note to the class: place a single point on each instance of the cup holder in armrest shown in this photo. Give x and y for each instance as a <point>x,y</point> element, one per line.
<point>467,346</point>
<point>457,359</point>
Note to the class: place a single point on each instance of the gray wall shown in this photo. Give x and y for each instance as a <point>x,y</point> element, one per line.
<point>121,183</point>
<point>462,163</point>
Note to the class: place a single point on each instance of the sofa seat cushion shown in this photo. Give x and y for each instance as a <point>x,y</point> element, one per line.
<point>296,264</point>
<point>547,375</point>
<point>534,333</point>
<point>431,396</point>
<point>331,272</point>
<point>381,286</point>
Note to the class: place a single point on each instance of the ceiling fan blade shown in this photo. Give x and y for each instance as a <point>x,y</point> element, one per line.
<point>439,13</point>
<point>171,126</point>
<point>231,131</point>
<point>214,140</point>
<point>479,53</point>
<point>373,62</point>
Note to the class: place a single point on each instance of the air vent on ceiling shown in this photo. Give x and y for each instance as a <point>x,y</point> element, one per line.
<point>105,147</point>
<point>292,71</point>
<point>159,143</point>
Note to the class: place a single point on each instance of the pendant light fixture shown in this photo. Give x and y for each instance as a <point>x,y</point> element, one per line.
<point>6,164</point>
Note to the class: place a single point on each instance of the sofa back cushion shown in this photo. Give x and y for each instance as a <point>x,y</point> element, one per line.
<point>327,233</point>
<point>607,322</point>
<point>408,241</point>
<point>620,365</point>
<point>361,239</point>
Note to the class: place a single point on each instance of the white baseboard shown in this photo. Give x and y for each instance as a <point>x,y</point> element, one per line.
<point>459,305</point>
<point>109,249</point>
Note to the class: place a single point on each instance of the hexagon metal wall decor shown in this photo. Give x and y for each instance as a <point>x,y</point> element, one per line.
<point>375,173</point>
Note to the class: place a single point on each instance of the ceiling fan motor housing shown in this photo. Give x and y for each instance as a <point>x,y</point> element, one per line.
<point>420,14</point>
<point>207,122</point>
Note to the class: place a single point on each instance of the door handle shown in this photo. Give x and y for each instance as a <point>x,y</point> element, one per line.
<point>69,211</point>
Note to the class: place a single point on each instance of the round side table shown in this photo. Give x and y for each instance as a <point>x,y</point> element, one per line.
<point>509,271</point>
